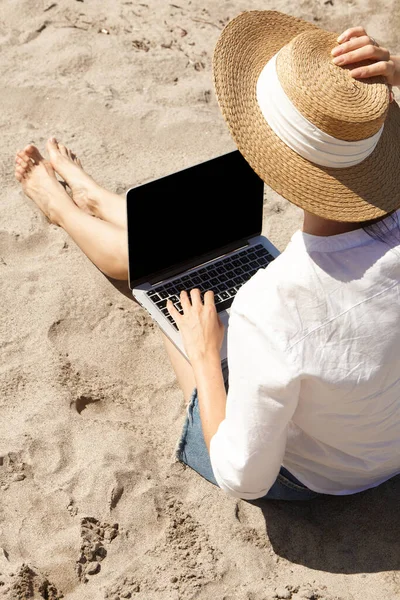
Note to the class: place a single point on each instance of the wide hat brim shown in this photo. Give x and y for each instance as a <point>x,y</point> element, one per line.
<point>362,192</point>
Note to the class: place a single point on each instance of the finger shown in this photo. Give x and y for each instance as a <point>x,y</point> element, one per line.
<point>368,52</point>
<point>352,44</point>
<point>352,32</point>
<point>209,298</point>
<point>184,298</point>
<point>173,311</point>
<point>385,68</point>
<point>195,297</point>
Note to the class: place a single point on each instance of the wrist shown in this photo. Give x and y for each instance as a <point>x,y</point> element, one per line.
<point>206,358</point>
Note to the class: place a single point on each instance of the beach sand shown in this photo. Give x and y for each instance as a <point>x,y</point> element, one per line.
<point>92,504</point>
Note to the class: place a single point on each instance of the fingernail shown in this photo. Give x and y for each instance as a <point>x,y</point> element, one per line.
<point>336,51</point>
<point>356,73</point>
<point>338,60</point>
<point>341,38</point>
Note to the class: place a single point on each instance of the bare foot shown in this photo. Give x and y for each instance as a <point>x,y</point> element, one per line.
<point>83,188</point>
<point>40,183</point>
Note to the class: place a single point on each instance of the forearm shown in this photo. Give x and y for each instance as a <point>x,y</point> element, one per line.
<point>103,243</point>
<point>211,393</point>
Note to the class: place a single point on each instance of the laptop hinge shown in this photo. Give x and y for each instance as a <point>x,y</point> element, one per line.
<point>196,262</point>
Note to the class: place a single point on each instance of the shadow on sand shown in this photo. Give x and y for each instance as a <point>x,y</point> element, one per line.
<point>348,534</point>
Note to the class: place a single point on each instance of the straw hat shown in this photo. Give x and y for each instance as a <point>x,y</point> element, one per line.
<point>329,101</point>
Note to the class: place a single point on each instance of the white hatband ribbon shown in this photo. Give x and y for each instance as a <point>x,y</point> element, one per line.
<point>301,135</point>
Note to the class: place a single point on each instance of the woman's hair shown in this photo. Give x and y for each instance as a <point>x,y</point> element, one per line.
<point>384,228</point>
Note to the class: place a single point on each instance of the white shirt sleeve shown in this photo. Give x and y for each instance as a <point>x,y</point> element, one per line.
<point>247,451</point>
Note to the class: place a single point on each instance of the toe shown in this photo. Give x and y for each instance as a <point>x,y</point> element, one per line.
<point>52,144</point>
<point>33,153</point>
<point>63,149</point>
<point>20,161</point>
<point>22,155</point>
<point>26,158</point>
<point>53,150</point>
<point>20,170</point>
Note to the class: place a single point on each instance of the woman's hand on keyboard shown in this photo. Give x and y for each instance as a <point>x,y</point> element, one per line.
<point>200,326</point>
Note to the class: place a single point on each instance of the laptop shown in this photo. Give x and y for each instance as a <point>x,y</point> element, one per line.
<point>197,228</point>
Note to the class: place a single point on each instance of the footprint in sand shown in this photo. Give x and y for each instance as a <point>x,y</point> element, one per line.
<point>12,469</point>
<point>116,495</point>
<point>195,560</point>
<point>124,589</point>
<point>303,592</point>
<point>29,582</point>
<point>95,537</point>
<point>83,401</point>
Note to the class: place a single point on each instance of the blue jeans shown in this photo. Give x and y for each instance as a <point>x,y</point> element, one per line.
<point>192,451</point>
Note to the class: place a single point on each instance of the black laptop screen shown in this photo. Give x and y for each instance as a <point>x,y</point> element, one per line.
<point>193,213</point>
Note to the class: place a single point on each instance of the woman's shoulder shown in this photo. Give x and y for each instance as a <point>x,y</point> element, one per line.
<point>278,298</point>
<point>288,273</point>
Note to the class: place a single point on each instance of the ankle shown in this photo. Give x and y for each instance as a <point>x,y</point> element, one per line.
<point>100,201</point>
<point>96,198</point>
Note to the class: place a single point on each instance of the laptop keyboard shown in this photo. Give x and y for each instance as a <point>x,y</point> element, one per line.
<point>224,277</point>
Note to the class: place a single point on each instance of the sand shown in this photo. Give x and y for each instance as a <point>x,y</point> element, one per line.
<point>92,505</point>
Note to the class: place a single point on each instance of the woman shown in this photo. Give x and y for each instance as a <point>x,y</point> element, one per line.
<point>313,346</point>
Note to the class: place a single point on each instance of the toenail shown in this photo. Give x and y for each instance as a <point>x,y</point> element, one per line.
<point>53,139</point>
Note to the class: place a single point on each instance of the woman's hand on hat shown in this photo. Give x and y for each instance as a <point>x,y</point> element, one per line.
<point>200,326</point>
<point>355,45</point>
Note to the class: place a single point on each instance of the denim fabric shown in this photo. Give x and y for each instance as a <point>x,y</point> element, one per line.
<point>193,452</point>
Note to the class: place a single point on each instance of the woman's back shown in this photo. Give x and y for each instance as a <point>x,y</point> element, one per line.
<point>350,352</point>
<point>330,306</point>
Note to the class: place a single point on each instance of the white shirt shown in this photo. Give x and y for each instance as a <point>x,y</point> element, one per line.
<point>314,369</point>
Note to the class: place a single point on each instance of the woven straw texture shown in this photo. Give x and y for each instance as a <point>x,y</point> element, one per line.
<point>326,95</point>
